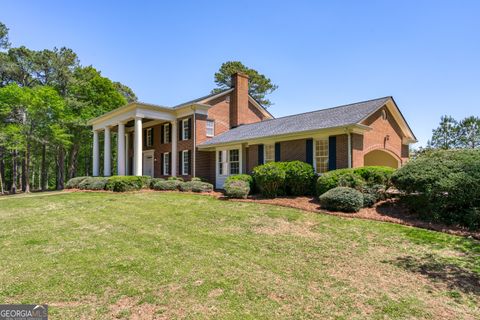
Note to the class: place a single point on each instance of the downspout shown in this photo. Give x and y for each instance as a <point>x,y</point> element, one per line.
<point>194,156</point>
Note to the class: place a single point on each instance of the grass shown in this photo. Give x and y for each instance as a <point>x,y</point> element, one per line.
<point>172,255</point>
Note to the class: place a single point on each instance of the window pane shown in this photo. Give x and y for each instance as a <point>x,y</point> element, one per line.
<point>269,153</point>
<point>234,155</point>
<point>321,155</point>
<point>234,168</point>
<point>185,162</point>
<point>210,127</point>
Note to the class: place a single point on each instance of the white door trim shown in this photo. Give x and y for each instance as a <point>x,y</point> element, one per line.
<point>149,153</point>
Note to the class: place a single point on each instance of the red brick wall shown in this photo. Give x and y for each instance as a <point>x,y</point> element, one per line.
<point>342,151</point>
<point>293,150</point>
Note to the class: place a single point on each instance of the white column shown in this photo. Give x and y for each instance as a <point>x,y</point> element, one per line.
<point>137,148</point>
<point>127,161</point>
<point>96,155</point>
<point>121,149</point>
<point>174,134</point>
<point>107,154</point>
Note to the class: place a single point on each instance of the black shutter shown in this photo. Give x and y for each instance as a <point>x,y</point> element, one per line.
<point>180,171</point>
<point>260,154</point>
<point>169,163</point>
<point>162,128</point>
<point>161,164</point>
<point>332,153</point>
<point>152,136</point>
<point>189,128</point>
<point>180,129</point>
<point>309,151</point>
<point>169,132</point>
<point>144,137</point>
<point>277,151</point>
<point>189,162</point>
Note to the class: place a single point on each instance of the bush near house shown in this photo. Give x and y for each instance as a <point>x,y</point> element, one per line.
<point>270,179</point>
<point>237,189</point>
<point>372,175</point>
<point>93,183</point>
<point>443,185</point>
<point>163,185</point>
<point>342,199</point>
<point>155,180</point>
<point>195,186</point>
<point>127,183</point>
<point>299,177</point>
<point>240,177</point>
<point>74,182</point>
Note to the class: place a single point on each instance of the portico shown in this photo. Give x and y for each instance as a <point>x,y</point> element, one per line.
<point>131,118</point>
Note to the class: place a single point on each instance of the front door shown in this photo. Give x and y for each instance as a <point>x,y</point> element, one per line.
<point>148,163</point>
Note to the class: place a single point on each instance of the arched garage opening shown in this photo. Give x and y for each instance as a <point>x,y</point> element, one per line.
<point>380,158</point>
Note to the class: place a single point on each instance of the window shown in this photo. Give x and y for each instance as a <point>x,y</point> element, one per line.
<point>185,129</point>
<point>149,137</point>
<point>210,128</point>
<point>222,162</point>
<point>321,155</point>
<point>269,153</point>
<point>166,163</point>
<point>234,159</point>
<point>185,162</point>
<point>166,133</point>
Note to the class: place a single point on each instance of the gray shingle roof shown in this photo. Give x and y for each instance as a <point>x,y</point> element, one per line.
<point>321,119</point>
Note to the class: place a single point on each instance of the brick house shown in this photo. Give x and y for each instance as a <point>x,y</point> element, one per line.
<point>229,133</point>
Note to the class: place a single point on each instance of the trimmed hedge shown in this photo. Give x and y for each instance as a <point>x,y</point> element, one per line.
<point>240,177</point>
<point>195,186</point>
<point>127,183</point>
<point>164,185</point>
<point>237,189</point>
<point>155,180</point>
<point>299,177</point>
<point>370,176</point>
<point>93,183</point>
<point>74,182</point>
<point>342,199</point>
<point>270,179</point>
<point>443,185</point>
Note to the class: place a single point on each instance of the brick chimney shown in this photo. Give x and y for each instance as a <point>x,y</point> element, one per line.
<point>239,100</point>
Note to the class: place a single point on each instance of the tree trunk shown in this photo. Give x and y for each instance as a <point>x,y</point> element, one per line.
<point>2,172</point>
<point>61,169</point>
<point>73,161</point>
<point>26,171</point>
<point>44,168</point>
<point>13,189</point>
<point>23,176</point>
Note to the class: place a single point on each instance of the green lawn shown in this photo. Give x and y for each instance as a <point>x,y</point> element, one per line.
<point>172,255</point>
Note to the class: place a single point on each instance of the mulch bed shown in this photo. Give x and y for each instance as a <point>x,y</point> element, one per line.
<point>390,210</point>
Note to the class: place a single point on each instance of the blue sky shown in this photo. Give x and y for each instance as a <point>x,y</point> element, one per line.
<point>321,54</point>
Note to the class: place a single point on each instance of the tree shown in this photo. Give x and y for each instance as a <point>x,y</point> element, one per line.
<point>259,84</point>
<point>4,43</point>
<point>446,136</point>
<point>469,132</point>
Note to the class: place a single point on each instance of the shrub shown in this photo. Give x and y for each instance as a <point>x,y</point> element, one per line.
<point>196,179</point>
<point>145,181</point>
<point>240,177</point>
<point>299,177</point>
<point>171,184</point>
<point>195,186</point>
<point>375,174</point>
<point>74,182</point>
<point>369,200</point>
<point>126,183</point>
<point>176,178</point>
<point>270,179</point>
<point>443,185</point>
<point>371,175</point>
<point>155,180</point>
<point>351,180</point>
<point>237,189</point>
<point>93,183</point>
<point>342,199</point>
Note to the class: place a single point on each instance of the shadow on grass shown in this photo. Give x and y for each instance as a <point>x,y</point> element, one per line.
<point>454,276</point>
